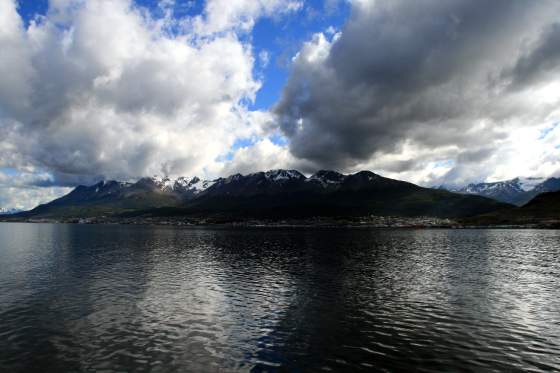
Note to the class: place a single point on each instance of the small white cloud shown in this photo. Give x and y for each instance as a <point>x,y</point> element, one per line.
<point>264,58</point>
<point>330,30</point>
<point>264,155</point>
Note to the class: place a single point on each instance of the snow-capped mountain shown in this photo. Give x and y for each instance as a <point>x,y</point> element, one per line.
<point>326,178</point>
<point>274,193</point>
<point>8,211</point>
<point>517,191</point>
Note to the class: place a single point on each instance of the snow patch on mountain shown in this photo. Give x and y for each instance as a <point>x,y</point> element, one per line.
<point>519,184</point>
<point>327,178</point>
<point>181,184</point>
<point>197,185</point>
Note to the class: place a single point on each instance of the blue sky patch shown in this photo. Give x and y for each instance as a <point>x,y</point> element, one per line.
<point>445,163</point>
<point>547,130</point>
<point>8,171</point>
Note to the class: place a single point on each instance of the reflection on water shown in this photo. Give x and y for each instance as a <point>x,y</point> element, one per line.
<point>121,298</point>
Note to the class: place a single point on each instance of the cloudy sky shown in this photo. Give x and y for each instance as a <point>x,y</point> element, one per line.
<point>429,91</point>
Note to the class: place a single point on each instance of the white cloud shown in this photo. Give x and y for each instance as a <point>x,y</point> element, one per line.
<point>16,71</point>
<point>264,58</point>
<point>264,155</point>
<point>26,190</point>
<point>28,197</point>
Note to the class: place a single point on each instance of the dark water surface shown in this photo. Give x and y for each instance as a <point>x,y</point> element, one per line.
<point>79,298</point>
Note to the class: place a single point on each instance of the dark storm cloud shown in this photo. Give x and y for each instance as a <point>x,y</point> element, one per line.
<point>415,72</point>
<point>475,155</point>
<point>541,61</point>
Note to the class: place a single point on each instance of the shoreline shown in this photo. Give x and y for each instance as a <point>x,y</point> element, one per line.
<point>388,223</point>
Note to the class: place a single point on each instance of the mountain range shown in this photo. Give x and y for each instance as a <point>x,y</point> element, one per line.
<point>516,191</point>
<point>270,194</point>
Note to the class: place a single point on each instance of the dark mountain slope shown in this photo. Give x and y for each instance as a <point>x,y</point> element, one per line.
<point>544,205</point>
<point>544,209</point>
<point>106,198</point>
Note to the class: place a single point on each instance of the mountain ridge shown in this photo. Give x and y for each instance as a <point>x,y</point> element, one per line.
<point>272,194</point>
<point>517,191</point>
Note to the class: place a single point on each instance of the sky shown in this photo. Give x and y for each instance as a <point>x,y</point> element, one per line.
<point>433,92</point>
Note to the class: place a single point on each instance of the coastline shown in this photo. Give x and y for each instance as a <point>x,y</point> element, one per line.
<point>370,222</point>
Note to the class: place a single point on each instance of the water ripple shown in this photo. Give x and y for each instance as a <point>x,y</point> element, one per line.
<point>146,299</point>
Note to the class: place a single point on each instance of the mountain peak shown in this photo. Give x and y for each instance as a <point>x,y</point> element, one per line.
<point>327,177</point>
<point>280,174</point>
<point>232,178</point>
<point>367,174</point>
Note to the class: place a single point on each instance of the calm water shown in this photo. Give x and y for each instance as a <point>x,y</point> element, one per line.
<point>138,299</point>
